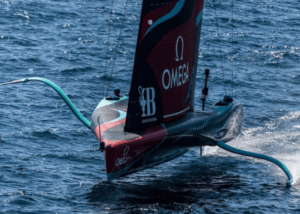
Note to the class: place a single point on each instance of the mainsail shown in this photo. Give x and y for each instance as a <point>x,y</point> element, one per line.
<point>164,73</point>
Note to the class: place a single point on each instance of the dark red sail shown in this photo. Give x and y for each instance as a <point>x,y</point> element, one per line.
<point>163,80</point>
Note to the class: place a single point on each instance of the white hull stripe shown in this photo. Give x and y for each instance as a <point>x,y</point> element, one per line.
<point>180,112</point>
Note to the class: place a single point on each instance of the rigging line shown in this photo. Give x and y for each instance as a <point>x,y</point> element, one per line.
<point>107,47</point>
<point>232,62</point>
<point>219,45</point>
<point>119,38</point>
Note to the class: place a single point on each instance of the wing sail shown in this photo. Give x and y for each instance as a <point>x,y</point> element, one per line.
<point>164,73</point>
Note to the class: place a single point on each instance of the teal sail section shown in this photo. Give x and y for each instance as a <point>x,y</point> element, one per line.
<point>170,15</point>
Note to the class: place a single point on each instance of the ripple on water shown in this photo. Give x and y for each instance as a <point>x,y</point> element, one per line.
<point>50,163</point>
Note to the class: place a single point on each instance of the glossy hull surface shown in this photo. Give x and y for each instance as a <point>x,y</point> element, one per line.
<point>129,152</point>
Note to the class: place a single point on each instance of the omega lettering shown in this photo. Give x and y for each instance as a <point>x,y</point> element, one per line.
<point>179,75</point>
<point>124,159</point>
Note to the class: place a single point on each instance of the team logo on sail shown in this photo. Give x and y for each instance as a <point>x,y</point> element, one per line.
<point>147,96</point>
<point>179,75</point>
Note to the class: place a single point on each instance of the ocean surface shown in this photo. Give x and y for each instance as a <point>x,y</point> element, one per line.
<point>50,162</point>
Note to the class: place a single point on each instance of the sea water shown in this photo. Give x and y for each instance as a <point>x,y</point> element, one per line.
<point>50,162</point>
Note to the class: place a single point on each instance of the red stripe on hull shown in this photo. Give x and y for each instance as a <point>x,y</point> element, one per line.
<point>121,153</point>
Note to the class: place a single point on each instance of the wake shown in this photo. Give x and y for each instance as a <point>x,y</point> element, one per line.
<point>279,139</point>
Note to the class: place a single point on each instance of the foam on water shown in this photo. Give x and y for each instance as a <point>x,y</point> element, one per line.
<point>279,139</point>
<point>50,163</point>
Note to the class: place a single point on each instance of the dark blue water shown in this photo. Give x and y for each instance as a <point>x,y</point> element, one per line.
<point>50,163</point>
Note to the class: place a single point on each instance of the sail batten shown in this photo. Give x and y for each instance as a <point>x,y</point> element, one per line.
<point>165,67</point>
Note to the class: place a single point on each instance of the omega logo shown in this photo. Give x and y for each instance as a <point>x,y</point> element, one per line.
<point>180,74</point>
<point>126,150</point>
<point>125,159</point>
<point>182,48</point>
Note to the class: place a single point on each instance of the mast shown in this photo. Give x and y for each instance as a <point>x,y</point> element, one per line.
<point>165,67</point>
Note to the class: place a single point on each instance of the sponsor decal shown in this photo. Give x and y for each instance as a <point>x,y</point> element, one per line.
<point>147,102</point>
<point>125,159</point>
<point>182,48</point>
<point>175,77</point>
<point>126,150</point>
<point>149,120</point>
